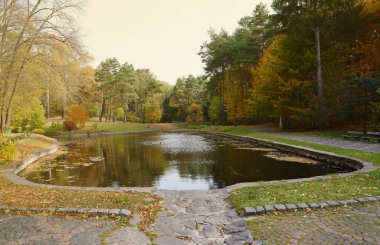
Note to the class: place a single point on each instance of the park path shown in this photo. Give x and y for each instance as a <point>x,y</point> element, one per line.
<point>199,217</point>
<point>348,144</point>
<point>357,224</point>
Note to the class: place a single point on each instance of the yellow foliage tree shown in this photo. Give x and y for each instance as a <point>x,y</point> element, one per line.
<point>194,114</point>
<point>78,114</point>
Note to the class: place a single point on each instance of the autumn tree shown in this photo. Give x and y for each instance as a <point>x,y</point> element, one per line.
<point>332,19</point>
<point>27,28</point>
<point>78,114</point>
<point>194,114</point>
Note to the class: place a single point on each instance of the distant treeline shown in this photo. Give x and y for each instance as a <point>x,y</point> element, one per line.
<point>310,64</point>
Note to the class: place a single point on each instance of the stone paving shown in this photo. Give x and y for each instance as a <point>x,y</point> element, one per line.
<point>203,218</point>
<point>349,144</point>
<point>199,217</point>
<point>359,224</point>
<point>50,229</point>
<point>39,229</point>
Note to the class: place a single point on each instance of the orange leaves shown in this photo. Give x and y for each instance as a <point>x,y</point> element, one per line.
<point>78,114</point>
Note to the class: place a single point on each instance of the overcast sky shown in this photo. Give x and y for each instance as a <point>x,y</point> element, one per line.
<point>164,36</point>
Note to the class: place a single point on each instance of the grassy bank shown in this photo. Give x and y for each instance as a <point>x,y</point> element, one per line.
<point>116,127</point>
<point>337,188</point>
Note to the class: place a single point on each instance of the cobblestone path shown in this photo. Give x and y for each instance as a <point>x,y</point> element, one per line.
<point>359,224</point>
<point>193,218</point>
<point>348,144</point>
<point>39,229</point>
<point>199,217</point>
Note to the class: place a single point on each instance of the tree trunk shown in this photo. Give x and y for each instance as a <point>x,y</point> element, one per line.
<point>47,103</point>
<point>64,101</point>
<point>366,105</point>
<point>222,100</point>
<point>102,108</point>
<point>321,112</point>
<point>113,116</point>
<point>125,115</point>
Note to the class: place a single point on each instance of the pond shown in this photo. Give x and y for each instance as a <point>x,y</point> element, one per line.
<point>174,161</point>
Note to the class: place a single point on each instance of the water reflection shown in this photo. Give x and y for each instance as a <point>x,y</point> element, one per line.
<point>175,161</point>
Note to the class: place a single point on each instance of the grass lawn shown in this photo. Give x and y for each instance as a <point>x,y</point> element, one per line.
<point>337,188</point>
<point>116,127</point>
<point>111,127</point>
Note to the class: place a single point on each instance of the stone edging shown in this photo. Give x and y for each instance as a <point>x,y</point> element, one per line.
<point>360,166</point>
<point>24,163</point>
<point>259,210</point>
<point>357,166</point>
<point>86,211</point>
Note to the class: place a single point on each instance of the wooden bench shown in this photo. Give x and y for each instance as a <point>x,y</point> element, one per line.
<point>371,136</point>
<point>353,135</point>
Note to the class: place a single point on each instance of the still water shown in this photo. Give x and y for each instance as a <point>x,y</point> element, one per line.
<point>175,161</point>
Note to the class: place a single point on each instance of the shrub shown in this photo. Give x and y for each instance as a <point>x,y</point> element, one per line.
<point>7,149</point>
<point>77,114</point>
<point>38,131</point>
<point>69,125</point>
<point>95,126</point>
<point>29,116</point>
<point>194,114</point>
<point>120,114</point>
<point>54,128</point>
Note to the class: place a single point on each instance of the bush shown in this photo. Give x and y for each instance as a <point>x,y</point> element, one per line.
<point>194,114</point>
<point>69,125</point>
<point>7,149</point>
<point>131,117</point>
<point>53,129</point>
<point>29,116</point>
<point>38,131</point>
<point>95,126</point>
<point>77,114</point>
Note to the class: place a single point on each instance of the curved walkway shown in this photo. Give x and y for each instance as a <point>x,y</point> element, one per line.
<point>349,144</point>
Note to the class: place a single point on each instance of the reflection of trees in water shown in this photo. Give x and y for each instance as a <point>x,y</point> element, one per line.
<point>192,165</point>
<point>130,162</point>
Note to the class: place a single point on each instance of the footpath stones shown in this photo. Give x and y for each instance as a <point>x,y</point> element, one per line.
<point>280,207</point>
<point>250,211</point>
<point>314,205</point>
<point>323,204</point>
<point>237,226</point>
<point>114,212</point>
<point>128,236</point>
<point>135,220</point>
<point>125,212</point>
<point>259,210</point>
<point>302,206</point>
<point>332,203</point>
<point>240,238</point>
<point>291,206</point>
<point>269,208</point>
<point>199,217</point>
<point>88,211</point>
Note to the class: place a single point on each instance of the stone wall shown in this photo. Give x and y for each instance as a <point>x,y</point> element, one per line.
<point>329,159</point>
